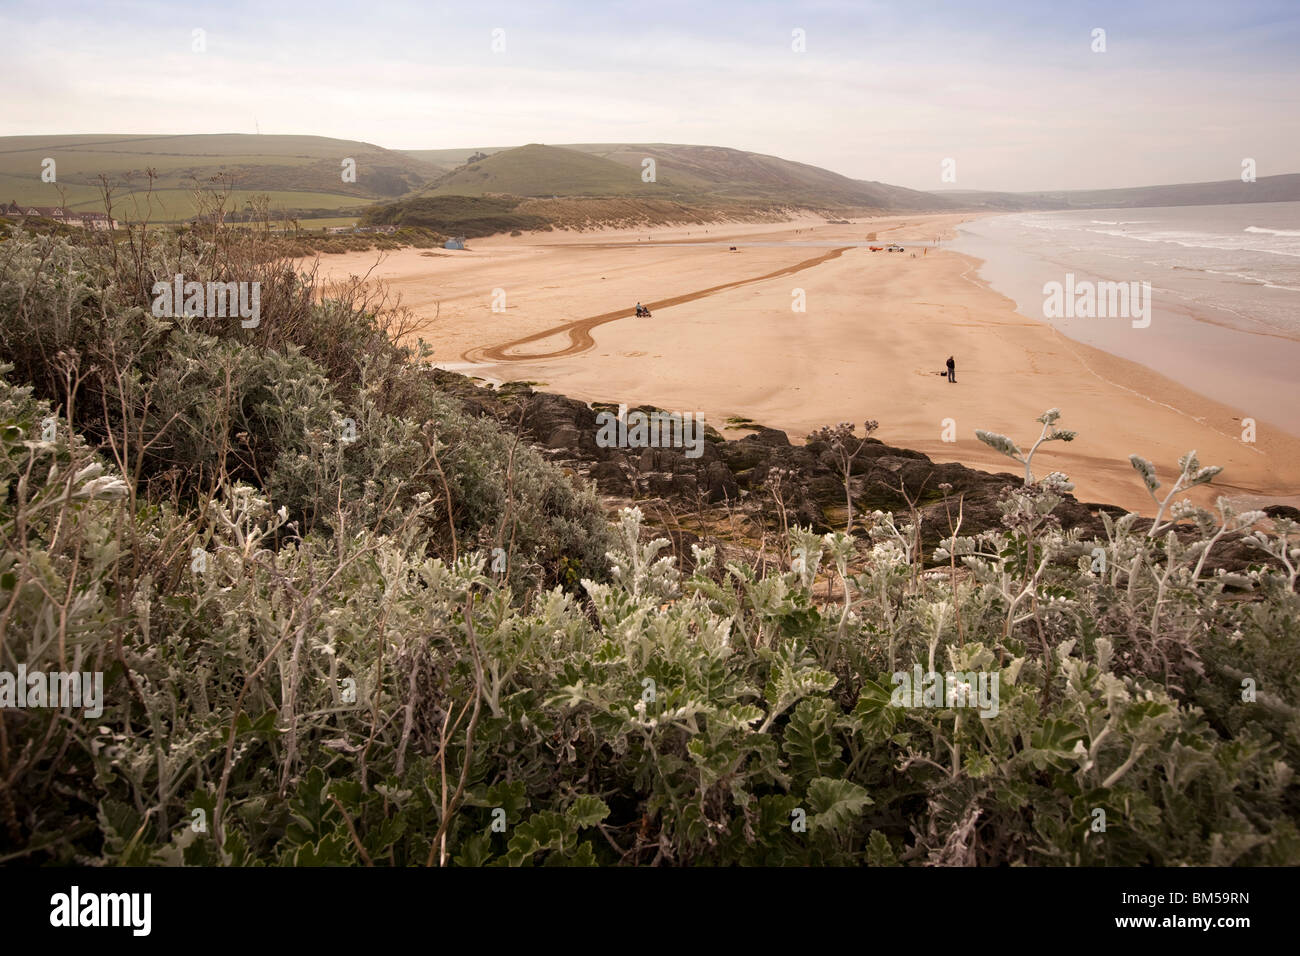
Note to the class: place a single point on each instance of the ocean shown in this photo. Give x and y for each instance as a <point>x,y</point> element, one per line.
<point>1224,285</point>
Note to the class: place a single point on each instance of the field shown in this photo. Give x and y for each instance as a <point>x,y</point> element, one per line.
<point>298,172</point>
<point>174,205</point>
<point>329,222</point>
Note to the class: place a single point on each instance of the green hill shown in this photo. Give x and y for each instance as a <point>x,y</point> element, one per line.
<point>589,185</point>
<point>302,176</point>
<point>716,175</point>
<point>723,173</point>
<point>299,172</point>
<point>538,171</point>
<point>700,175</point>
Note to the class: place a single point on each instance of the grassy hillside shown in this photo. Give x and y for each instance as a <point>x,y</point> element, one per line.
<point>736,175</point>
<point>536,170</point>
<point>469,216</point>
<point>590,185</point>
<point>702,175</point>
<point>445,160</point>
<point>299,172</point>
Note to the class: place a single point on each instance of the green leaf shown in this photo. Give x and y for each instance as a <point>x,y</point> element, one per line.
<point>582,855</point>
<point>873,717</point>
<point>879,852</point>
<point>810,739</point>
<point>475,851</point>
<point>510,796</point>
<point>836,804</point>
<point>586,812</point>
<point>333,850</point>
<point>541,832</point>
<point>264,727</point>
<point>1052,744</point>
<point>309,808</point>
<point>794,676</point>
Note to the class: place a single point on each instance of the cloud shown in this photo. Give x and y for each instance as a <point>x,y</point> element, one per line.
<point>885,93</point>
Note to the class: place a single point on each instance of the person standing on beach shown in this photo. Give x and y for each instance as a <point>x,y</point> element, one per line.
<point>952,370</point>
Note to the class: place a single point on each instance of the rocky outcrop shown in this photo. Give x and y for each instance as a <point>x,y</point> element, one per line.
<point>763,473</point>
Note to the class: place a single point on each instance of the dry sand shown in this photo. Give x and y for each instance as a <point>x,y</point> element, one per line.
<point>725,341</point>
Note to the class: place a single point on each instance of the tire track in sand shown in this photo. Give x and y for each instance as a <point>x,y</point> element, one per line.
<point>580,339</point>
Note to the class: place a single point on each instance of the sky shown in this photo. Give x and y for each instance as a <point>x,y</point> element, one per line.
<point>1012,92</point>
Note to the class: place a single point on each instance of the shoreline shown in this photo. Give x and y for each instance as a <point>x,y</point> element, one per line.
<point>735,348</point>
<point>1237,359</point>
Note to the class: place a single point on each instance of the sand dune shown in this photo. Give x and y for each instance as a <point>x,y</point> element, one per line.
<point>724,341</point>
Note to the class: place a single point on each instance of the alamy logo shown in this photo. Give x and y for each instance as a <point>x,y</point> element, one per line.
<point>655,430</point>
<point>75,908</point>
<point>210,300</point>
<point>53,689</point>
<point>1098,300</point>
<point>932,689</point>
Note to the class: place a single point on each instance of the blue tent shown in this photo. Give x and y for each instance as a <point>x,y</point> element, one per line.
<point>457,243</point>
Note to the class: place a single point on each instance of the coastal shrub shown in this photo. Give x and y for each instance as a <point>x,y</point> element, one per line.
<point>470,216</point>
<point>342,698</point>
<point>185,404</point>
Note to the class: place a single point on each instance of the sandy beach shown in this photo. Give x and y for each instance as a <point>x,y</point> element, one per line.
<point>555,309</point>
